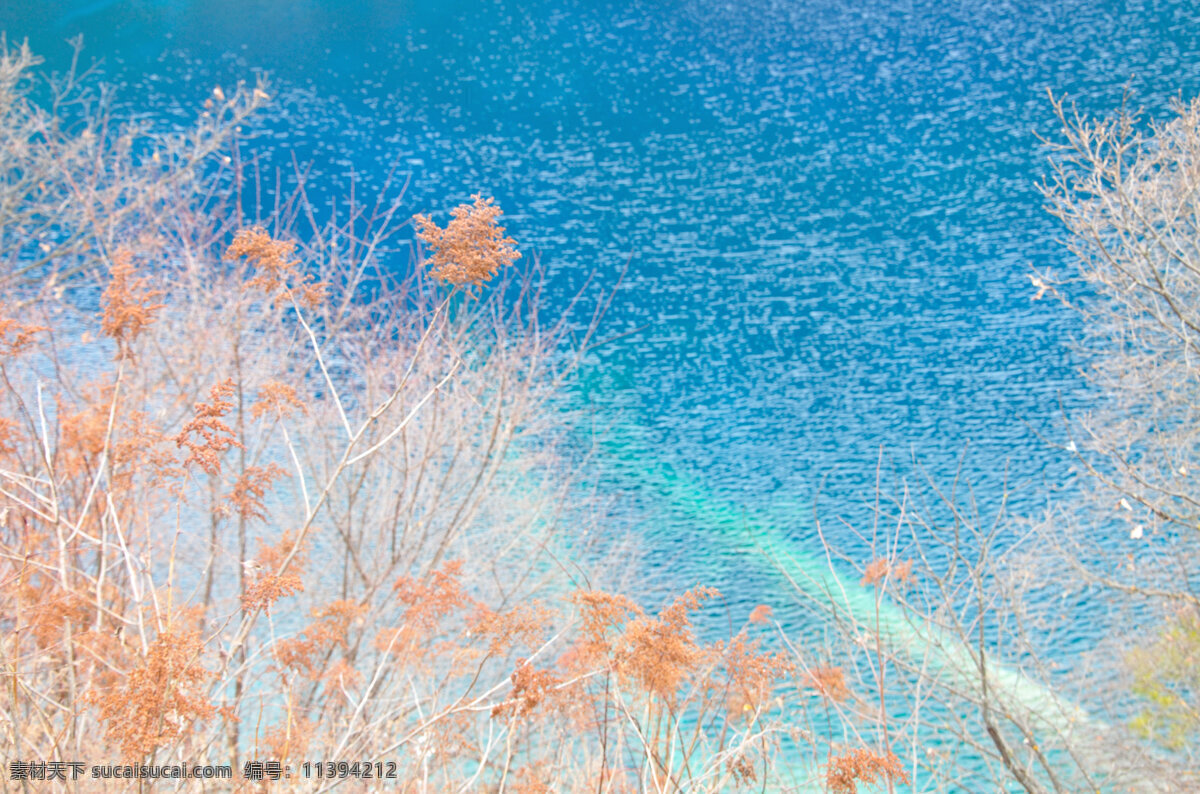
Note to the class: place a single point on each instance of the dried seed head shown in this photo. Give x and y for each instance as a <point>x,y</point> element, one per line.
<point>472,248</point>
<point>845,772</point>
<point>128,307</point>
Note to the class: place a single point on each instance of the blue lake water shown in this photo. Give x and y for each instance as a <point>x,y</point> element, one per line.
<point>831,207</point>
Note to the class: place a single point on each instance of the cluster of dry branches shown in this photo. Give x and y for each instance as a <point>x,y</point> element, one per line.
<point>269,492</point>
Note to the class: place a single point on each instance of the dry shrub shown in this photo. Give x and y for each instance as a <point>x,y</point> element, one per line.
<point>10,436</point>
<point>161,698</point>
<point>530,687</point>
<point>289,740</point>
<point>329,631</point>
<point>603,616</point>
<point>278,399</point>
<point>524,625</point>
<point>75,185</point>
<point>427,602</point>
<point>753,675</point>
<point>417,607</point>
<point>761,614</point>
<point>264,589</point>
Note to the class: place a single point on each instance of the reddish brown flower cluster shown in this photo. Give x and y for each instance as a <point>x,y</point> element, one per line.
<point>250,488</point>
<point>51,608</point>
<point>276,398</point>
<point>267,585</point>
<point>741,770</point>
<point>329,630</point>
<point>215,437</point>
<point>530,687</point>
<point>16,337</point>
<point>267,588</point>
<point>136,447</point>
<point>530,780</point>
<point>85,431</point>
<point>882,569</point>
<point>603,617</point>
<point>524,624</point>
<point>846,771</point>
<point>277,273</point>
<point>660,652</point>
<point>472,248</point>
<point>752,674</point>
<point>830,682</point>
<point>271,557</point>
<point>127,303</point>
<point>429,601</point>
<point>161,698</point>
<point>761,614</point>
<point>288,740</point>
<point>9,436</point>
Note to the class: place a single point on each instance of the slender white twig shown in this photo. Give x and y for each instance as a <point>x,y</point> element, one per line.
<point>299,470</point>
<point>408,417</point>
<point>337,401</point>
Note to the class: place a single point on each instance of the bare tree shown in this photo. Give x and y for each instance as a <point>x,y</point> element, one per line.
<point>1060,652</point>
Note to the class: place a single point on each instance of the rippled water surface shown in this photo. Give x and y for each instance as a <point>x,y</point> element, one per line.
<point>831,207</point>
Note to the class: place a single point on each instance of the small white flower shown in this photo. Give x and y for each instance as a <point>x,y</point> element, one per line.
<point>1071,447</point>
<point>1137,532</point>
<point>1124,504</point>
<point>219,94</point>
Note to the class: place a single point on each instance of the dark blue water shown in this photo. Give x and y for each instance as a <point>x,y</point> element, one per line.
<point>831,207</point>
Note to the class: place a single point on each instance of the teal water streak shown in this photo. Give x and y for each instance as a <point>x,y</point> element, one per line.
<point>757,543</point>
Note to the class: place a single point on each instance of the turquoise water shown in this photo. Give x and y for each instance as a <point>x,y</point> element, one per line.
<point>828,208</point>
